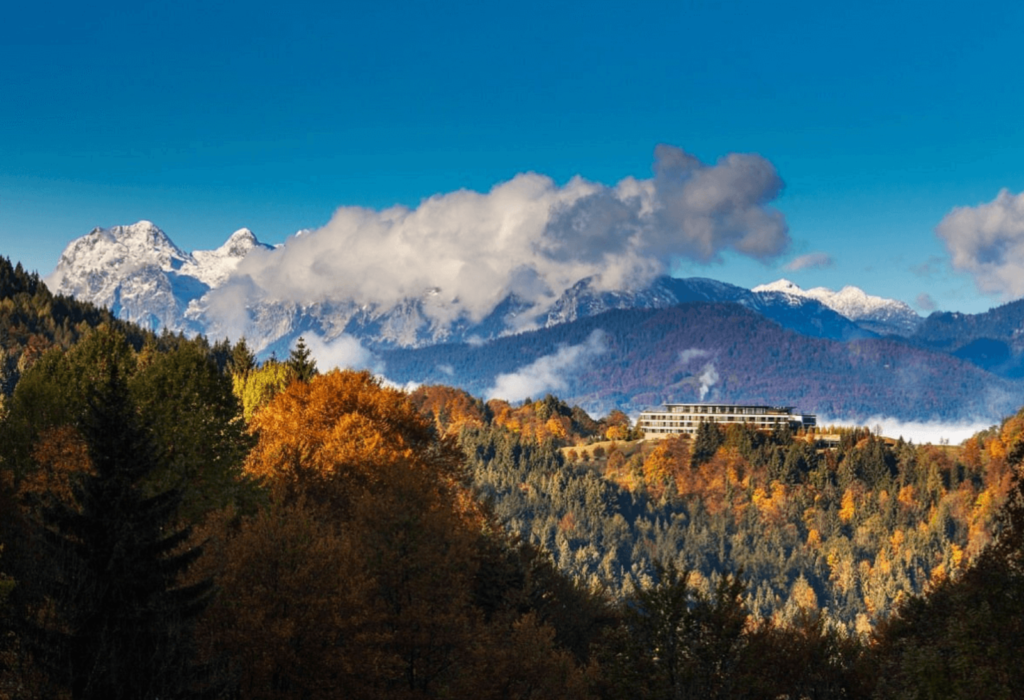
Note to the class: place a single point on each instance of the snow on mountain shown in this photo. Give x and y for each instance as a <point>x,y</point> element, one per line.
<point>804,315</point>
<point>213,267</point>
<point>142,276</point>
<point>877,314</point>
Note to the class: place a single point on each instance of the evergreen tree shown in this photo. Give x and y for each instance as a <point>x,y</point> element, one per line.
<point>242,359</point>
<point>189,405</point>
<point>678,643</point>
<point>301,361</point>
<point>706,443</point>
<point>117,624</point>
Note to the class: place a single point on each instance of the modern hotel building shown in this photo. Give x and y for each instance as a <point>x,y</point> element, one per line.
<point>684,418</point>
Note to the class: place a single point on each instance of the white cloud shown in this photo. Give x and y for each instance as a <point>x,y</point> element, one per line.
<point>343,352</point>
<point>527,236</point>
<point>809,261</point>
<point>549,373</point>
<point>407,388</point>
<point>987,241</point>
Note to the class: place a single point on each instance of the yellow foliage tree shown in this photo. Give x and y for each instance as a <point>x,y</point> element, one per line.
<point>342,436</point>
<point>255,388</point>
<point>849,506</point>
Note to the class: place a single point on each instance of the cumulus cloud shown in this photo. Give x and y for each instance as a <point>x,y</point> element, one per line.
<point>527,236</point>
<point>987,241</point>
<point>925,302</point>
<point>809,261</point>
<point>549,373</point>
<point>343,352</point>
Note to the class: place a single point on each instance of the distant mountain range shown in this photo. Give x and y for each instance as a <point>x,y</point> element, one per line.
<point>142,276</point>
<point>699,351</point>
<point>809,348</point>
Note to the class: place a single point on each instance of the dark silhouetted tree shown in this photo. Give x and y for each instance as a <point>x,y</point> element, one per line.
<point>706,443</point>
<point>117,623</point>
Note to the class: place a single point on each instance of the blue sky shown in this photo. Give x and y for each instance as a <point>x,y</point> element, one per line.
<point>880,118</point>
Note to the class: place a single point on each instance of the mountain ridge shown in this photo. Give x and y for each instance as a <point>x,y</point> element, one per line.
<point>139,273</point>
<point>651,356</point>
<point>877,314</point>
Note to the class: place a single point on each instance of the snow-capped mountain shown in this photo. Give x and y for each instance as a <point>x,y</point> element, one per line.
<point>142,276</point>
<point>213,267</point>
<point>879,315</point>
<point>804,315</point>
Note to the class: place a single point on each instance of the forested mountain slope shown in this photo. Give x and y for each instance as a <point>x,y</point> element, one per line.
<point>370,542</point>
<point>848,529</point>
<point>32,320</point>
<point>638,358</point>
<point>993,340</point>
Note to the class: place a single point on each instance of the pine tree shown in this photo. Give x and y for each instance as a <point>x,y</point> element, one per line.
<point>118,624</point>
<point>242,359</point>
<point>301,361</point>
<point>706,443</point>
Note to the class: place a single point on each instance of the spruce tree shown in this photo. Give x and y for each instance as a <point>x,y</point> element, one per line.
<point>242,359</point>
<point>301,361</point>
<point>118,624</point>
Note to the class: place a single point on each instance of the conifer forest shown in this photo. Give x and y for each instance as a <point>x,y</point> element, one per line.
<point>181,520</point>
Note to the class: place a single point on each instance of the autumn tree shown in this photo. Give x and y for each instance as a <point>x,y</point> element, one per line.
<point>366,461</point>
<point>294,618</point>
<point>616,426</point>
<point>449,408</point>
<point>257,387</point>
<point>966,632</point>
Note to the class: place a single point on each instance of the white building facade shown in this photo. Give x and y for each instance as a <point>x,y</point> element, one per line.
<point>685,418</point>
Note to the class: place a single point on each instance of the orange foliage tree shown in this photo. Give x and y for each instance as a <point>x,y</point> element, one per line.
<point>377,470</point>
<point>449,408</point>
<point>361,578</point>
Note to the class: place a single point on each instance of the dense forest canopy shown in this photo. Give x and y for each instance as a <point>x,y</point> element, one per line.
<point>180,520</point>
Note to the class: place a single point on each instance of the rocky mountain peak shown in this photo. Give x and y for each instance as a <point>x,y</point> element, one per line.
<point>240,243</point>
<point>878,314</point>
